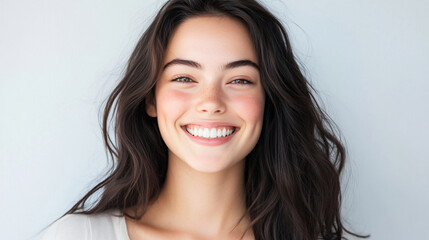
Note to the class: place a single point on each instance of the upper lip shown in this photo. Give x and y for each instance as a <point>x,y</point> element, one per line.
<point>211,124</point>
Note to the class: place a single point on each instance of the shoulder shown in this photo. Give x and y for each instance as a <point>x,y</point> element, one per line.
<point>71,226</point>
<point>81,226</point>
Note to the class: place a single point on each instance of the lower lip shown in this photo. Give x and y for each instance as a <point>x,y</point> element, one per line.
<point>210,141</point>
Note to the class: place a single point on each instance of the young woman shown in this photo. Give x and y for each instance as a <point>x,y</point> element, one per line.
<point>217,136</point>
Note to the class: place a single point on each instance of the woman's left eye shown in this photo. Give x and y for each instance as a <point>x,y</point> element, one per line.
<point>241,81</point>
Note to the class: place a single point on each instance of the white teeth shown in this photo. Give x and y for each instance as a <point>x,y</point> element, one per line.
<point>206,133</point>
<point>213,133</point>
<point>209,133</point>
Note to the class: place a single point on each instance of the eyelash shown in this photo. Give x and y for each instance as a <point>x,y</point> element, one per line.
<point>182,77</point>
<point>245,81</point>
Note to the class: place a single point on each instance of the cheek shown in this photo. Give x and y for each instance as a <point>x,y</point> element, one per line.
<point>171,103</point>
<point>249,106</point>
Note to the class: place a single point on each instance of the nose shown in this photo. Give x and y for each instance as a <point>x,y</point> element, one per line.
<point>211,101</point>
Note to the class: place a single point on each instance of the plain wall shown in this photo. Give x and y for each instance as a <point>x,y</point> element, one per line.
<point>60,59</point>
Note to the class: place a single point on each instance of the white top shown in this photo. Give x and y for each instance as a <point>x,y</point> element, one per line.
<point>102,226</point>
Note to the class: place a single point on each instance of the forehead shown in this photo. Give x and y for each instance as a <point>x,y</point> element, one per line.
<point>210,39</point>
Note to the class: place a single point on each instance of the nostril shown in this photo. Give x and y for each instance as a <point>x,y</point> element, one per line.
<point>212,111</point>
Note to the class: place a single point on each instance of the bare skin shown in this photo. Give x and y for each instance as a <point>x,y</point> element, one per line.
<point>173,218</point>
<point>203,197</point>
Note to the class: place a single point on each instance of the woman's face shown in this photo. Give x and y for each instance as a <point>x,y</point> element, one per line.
<point>209,87</point>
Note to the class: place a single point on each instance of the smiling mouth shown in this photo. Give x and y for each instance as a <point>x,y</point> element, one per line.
<point>209,133</point>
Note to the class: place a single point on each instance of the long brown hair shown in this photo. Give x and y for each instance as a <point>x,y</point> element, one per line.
<point>292,176</point>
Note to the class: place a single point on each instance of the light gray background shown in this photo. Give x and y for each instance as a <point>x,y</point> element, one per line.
<point>60,59</point>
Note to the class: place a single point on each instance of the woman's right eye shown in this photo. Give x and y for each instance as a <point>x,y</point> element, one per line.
<point>182,80</point>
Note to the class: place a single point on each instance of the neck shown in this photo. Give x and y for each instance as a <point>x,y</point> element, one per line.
<point>198,202</point>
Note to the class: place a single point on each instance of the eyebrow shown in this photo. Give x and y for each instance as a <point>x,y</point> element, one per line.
<point>190,63</point>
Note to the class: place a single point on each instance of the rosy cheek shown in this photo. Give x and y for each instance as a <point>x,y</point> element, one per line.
<point>172,102</point>
<point>249,106</point>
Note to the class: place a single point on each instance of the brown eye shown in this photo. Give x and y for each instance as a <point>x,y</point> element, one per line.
<point>241,81</point>
<point>182,80</point>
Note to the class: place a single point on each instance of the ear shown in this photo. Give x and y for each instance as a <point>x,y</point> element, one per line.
<point>150,105</point>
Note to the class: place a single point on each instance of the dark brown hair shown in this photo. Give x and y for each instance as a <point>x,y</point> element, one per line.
<point>292,176</point>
